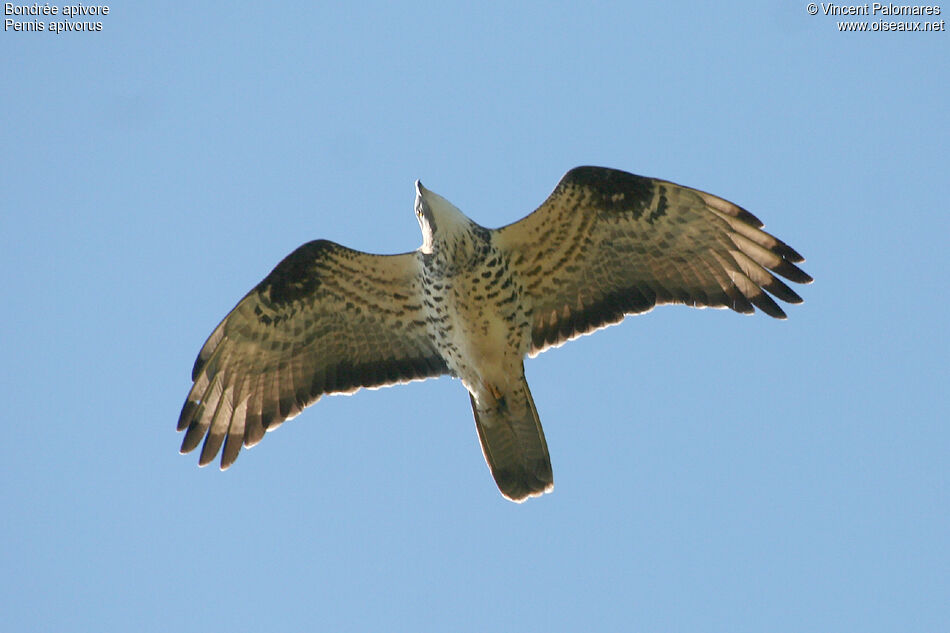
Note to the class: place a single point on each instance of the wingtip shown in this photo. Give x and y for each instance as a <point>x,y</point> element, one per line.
<point>187,414</point>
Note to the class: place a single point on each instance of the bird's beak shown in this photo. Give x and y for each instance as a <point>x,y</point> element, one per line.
<point>420,198</point>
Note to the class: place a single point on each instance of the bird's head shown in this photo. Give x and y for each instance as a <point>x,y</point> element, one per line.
<point>439,219</point>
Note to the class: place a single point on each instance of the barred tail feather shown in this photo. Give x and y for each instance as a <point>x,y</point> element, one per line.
<point>513,444</point>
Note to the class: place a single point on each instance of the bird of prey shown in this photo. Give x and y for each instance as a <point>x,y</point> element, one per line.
<point>472,302</point>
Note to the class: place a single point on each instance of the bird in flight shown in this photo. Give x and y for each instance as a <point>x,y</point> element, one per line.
<point>472,302</point>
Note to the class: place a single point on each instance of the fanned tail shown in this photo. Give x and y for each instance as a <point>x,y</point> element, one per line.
<point>513,444</point>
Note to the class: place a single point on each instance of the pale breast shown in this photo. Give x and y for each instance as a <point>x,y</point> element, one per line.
<point>478,321</point>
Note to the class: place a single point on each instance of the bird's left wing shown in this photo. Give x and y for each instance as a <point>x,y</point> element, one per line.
<point>607,243</point>
<point>327,319</point>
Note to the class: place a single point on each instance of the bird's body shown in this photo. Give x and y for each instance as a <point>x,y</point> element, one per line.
<point>477,318</point>
<point>474,316</point>
<point>472,302</point>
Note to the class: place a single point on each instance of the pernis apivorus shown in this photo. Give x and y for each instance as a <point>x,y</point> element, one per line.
<point>472,302</point>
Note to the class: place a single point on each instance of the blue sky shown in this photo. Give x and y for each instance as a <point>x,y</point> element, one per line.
<point>713,472</point>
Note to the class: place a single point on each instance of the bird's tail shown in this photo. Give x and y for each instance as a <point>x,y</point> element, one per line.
<point>513,444</point>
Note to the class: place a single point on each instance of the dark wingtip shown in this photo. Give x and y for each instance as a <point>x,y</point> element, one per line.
<point>767,305</point>
<point>187,413</point>
<point>193,435</point>
<point>197,367</point>
<point>788,252</point>
<point>792,272</point>
<point>748,218</point>
<point>232,448</point>
<point>777,288</point>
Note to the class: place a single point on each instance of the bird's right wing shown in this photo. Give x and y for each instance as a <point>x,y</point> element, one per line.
<point>327,319</point>
<point>607,243</point>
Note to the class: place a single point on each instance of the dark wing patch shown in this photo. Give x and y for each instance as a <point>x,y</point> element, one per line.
<point>327,319</point>
<point>607,243</point>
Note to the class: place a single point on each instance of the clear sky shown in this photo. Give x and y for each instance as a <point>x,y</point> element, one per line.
<point>713,472</point>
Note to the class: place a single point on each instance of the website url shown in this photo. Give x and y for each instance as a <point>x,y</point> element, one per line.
<point>883,25</point>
